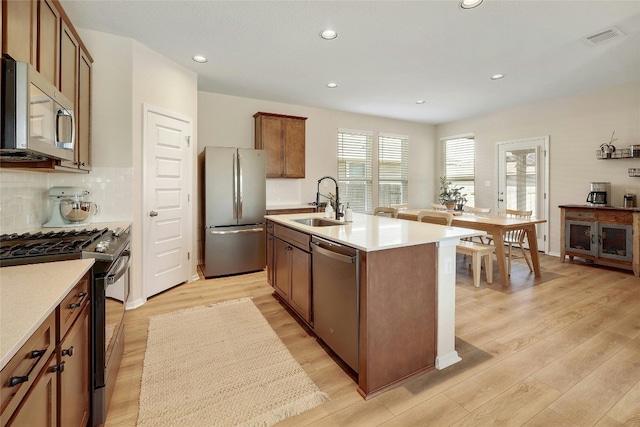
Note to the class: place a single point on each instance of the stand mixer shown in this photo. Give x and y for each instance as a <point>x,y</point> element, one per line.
<point>69,207</point>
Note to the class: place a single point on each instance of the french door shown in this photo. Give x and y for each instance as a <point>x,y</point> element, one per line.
<point>523,167</point>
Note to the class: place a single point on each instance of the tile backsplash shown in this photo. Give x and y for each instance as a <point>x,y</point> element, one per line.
<point>25,205</point>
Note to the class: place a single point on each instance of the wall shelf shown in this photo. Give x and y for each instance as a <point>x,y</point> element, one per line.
<point>620,153</point>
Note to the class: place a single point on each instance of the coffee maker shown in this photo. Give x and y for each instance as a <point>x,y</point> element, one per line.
<point>600,194</point>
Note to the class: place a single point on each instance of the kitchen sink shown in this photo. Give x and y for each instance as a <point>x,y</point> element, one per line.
<point>318,222</point>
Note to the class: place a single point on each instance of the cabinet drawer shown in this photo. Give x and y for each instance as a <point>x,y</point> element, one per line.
<point>294,237</point>
<point>73,304</point>
<point>24,367</point>
<point>585,215</point>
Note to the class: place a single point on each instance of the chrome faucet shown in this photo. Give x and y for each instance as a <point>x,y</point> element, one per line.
<point>338,210</point>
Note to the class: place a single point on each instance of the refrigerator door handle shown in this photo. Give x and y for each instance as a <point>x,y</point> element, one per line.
<point>240,179</point>
<point>235,187</point>
<point>249,230</point>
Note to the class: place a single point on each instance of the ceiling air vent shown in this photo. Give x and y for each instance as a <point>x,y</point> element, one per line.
<point>604,36</point>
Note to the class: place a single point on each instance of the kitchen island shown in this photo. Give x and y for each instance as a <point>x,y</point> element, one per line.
<point>406,291</point>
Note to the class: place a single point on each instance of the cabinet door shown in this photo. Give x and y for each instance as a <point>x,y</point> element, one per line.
<point>48,41</point>
<point>19,23</point>
<point>270,255</point>
<point>83,113</point>
<point>300,297</point>
<point>272,143</point>
<point>294,148</point>
<point>39,407</point>
<point>69,57</point>
<point>281,271</point>
<point>74,380</point>
<point>581,237</point>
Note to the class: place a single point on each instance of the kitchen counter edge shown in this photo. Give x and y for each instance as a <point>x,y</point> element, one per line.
<point>373,233</point>
<point>29,294</point>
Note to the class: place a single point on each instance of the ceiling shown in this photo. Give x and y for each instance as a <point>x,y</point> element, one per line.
<point>388,54</point>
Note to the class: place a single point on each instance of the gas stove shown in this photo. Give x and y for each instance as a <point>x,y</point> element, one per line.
<point>30,248</point>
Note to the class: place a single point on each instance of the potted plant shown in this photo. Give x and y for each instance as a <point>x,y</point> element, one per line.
<point>608,149</point>
<point>451,195</point>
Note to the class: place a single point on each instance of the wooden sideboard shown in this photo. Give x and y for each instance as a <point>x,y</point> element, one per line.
<point>603,235</point>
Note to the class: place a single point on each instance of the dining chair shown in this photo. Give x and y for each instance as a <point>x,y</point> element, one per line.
<point>515,237</point>
<point>478,211</point>
<point>400,205</point>
<point>438,207</point>
<point>477,251</point>
<point>386,211</point>
<point>435,217</point>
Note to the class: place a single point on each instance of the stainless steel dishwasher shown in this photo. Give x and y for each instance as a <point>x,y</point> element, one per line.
<point>336,307</point>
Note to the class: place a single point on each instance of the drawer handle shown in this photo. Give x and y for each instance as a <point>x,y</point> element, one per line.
<point>68,352</point>
<point>58,368</point>
<point>35,354</point>
<point>81,295</point>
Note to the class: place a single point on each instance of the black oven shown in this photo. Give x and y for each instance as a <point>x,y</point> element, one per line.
<point>111,292</point>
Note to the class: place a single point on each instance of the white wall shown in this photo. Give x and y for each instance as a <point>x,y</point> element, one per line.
<point>228,121</point>
<point>577,125</point>
<point>127,76</point>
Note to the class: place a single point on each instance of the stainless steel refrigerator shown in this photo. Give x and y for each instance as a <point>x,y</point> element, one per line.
<point>234,208</point>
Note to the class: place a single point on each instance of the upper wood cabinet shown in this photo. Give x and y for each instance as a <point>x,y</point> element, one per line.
<point>39,32</point>
<point>75,84</point>
<point>283,139</point>
<point>48,47</point>
<point>31,33</point>
<point>20,29</point>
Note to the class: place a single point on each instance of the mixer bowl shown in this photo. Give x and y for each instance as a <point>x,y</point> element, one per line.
<point>74,211</point>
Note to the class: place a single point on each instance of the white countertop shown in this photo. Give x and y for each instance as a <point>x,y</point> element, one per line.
<point>374,233</point>
<point>30,293</point>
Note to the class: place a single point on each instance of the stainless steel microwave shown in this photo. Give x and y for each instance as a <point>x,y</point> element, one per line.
<point>37,120</point>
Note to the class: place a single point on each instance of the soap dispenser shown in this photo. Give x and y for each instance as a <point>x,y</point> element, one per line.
<point>328,211</point>
<point>348,214</point>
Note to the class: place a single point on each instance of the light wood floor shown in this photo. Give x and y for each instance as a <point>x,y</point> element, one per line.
<point>560,350</point>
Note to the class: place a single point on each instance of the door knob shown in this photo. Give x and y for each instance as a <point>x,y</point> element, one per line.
<point>153,213</point>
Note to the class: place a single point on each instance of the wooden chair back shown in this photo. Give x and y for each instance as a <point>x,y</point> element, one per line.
<point>435,217</point>
<point>386,211</point>
<point>475,210</point>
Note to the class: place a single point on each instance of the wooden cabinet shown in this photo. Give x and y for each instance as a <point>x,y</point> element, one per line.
<point>269,251</point>
<point>75,84</point>
<point>292,269</point>
<point>47,383</point>
<point>48,46</point>
<point>21,373</point>
<point>40,406</point>
<point>606,236</point>
<point>20,30</point>
<point>74,380</point>
<point>283,139</point>
<point>39,32</point>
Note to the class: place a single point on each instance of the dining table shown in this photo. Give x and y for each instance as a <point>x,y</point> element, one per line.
<point>496,226</point>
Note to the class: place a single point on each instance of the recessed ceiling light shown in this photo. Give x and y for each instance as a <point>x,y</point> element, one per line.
<point>470,4</point>
<point>420,101</point>
<point>497,76</point>
<point>332,85</point>
<point>328,34</point>
<point>199,58</point>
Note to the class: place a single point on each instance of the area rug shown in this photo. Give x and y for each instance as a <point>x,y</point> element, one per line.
<point>220,365</point>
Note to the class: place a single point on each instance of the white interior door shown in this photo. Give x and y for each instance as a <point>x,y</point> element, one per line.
<point>523,180</point>
<point>167,187</point>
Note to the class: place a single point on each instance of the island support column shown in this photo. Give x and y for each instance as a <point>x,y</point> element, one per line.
<point>446,354</point>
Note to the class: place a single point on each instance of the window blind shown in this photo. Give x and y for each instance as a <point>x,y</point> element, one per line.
<point>355,170</point>
<point>393,170</point>
<point>459,165</point>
